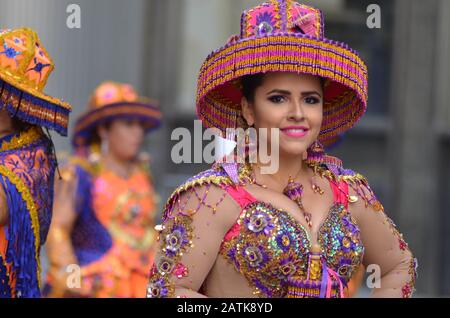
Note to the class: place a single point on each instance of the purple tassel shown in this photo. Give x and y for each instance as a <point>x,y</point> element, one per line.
<point>21,248</point>
<point>323,284</point>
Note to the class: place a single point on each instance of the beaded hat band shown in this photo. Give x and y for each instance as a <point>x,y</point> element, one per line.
<point>111,101</point>
<point>283,36</point>
<point>25,67</point>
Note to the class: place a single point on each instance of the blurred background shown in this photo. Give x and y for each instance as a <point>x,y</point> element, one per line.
<point>402,144</point>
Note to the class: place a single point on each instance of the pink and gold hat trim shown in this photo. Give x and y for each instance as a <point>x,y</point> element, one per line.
<point>283,36</point>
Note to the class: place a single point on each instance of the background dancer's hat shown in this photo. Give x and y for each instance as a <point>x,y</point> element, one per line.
<point>110,101</point>
<point>283,36</point>
<point>25,67</point>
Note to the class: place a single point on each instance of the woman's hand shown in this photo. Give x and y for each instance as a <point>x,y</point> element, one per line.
<point>3,208</point>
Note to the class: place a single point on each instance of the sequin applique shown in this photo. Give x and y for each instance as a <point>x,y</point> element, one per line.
<point>271,247</point>
<point>176,238</point>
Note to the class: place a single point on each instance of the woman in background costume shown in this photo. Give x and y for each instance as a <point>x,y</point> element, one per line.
<point>27,161</point>
<point>236,230</point>
<point>104,208</point>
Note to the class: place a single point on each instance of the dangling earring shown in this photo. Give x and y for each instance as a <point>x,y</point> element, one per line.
<point>251,148</point>
<point>93,152</point>
<point>316,154</point>
<point>247,137</point>
<point>104,146</point>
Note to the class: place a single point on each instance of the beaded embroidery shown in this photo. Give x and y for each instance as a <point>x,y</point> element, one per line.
<point>268,246</point>
<point>26,171</point>
<point>176,239</point>
<point>279,247</point>
<point>283,36</point>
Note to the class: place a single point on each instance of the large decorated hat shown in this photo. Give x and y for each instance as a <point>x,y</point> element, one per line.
<point>25,67</point>
<point>112,100</point>
<point>283,36</point>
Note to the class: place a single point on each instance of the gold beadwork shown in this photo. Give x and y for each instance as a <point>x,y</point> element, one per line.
<point>22,139</point>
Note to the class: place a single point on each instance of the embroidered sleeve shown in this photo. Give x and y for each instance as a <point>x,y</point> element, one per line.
<point>386,253</point>
<point>189,241</point>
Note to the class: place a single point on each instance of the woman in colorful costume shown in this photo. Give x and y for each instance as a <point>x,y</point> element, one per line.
<point>303,231</point>
<point>104,208</point>
<point>27,161</point>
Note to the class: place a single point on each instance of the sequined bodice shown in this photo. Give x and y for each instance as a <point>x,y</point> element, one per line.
<point>268,246</point>
<point>270,249</point>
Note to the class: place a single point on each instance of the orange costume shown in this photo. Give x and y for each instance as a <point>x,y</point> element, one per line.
<point>125,208</point>
<point>113,234</point>
<point>110,223</point>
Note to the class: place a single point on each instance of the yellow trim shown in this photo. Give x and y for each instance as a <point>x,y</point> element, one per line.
<point>5,76</point>
<point>25,138</point>
<point>244,174</point>
<point>26,196</point>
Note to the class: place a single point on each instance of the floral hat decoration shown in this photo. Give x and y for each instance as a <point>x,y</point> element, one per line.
<point>25,66</point>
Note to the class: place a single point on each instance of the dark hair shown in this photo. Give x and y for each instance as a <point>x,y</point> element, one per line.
<point>20,125</point>
<point>251,82</point>
<point>95,136</point>
<point>249,85</point>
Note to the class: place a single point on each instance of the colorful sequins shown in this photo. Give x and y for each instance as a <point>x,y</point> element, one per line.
<point>341,243</point>
<point>269,248</point>
<point>176,239</point>
<point>272,246</point>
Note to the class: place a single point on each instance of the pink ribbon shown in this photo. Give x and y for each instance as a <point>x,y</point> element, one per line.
<point>327,281</point>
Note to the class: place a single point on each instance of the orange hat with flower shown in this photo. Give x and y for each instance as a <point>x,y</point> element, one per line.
<point>112,100</point>
<point>25,66</point>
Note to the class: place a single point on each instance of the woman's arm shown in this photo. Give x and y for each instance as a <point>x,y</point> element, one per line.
<point>3,208</point>
<point>59,247</point>
<point>385,250</point>
<point>190,241</point>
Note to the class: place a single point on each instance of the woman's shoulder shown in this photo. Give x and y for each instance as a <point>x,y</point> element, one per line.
<point>76,172</point>
<point>77,164</point>
<point>205,189</point>
<point>359,191</point>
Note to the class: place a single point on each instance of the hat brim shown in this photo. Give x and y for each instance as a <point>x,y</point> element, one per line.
<point>345,94</point>
<point>33,106</point>
<point>85,126</point>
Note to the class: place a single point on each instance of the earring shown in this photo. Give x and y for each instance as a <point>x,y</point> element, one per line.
<point>104,146</point>
<point>250,145</point>
<point>93,153</point>
<point>315,152</point>
<point>248,138</point>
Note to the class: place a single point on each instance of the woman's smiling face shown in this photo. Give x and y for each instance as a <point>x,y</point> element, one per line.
<point>291,102</point>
